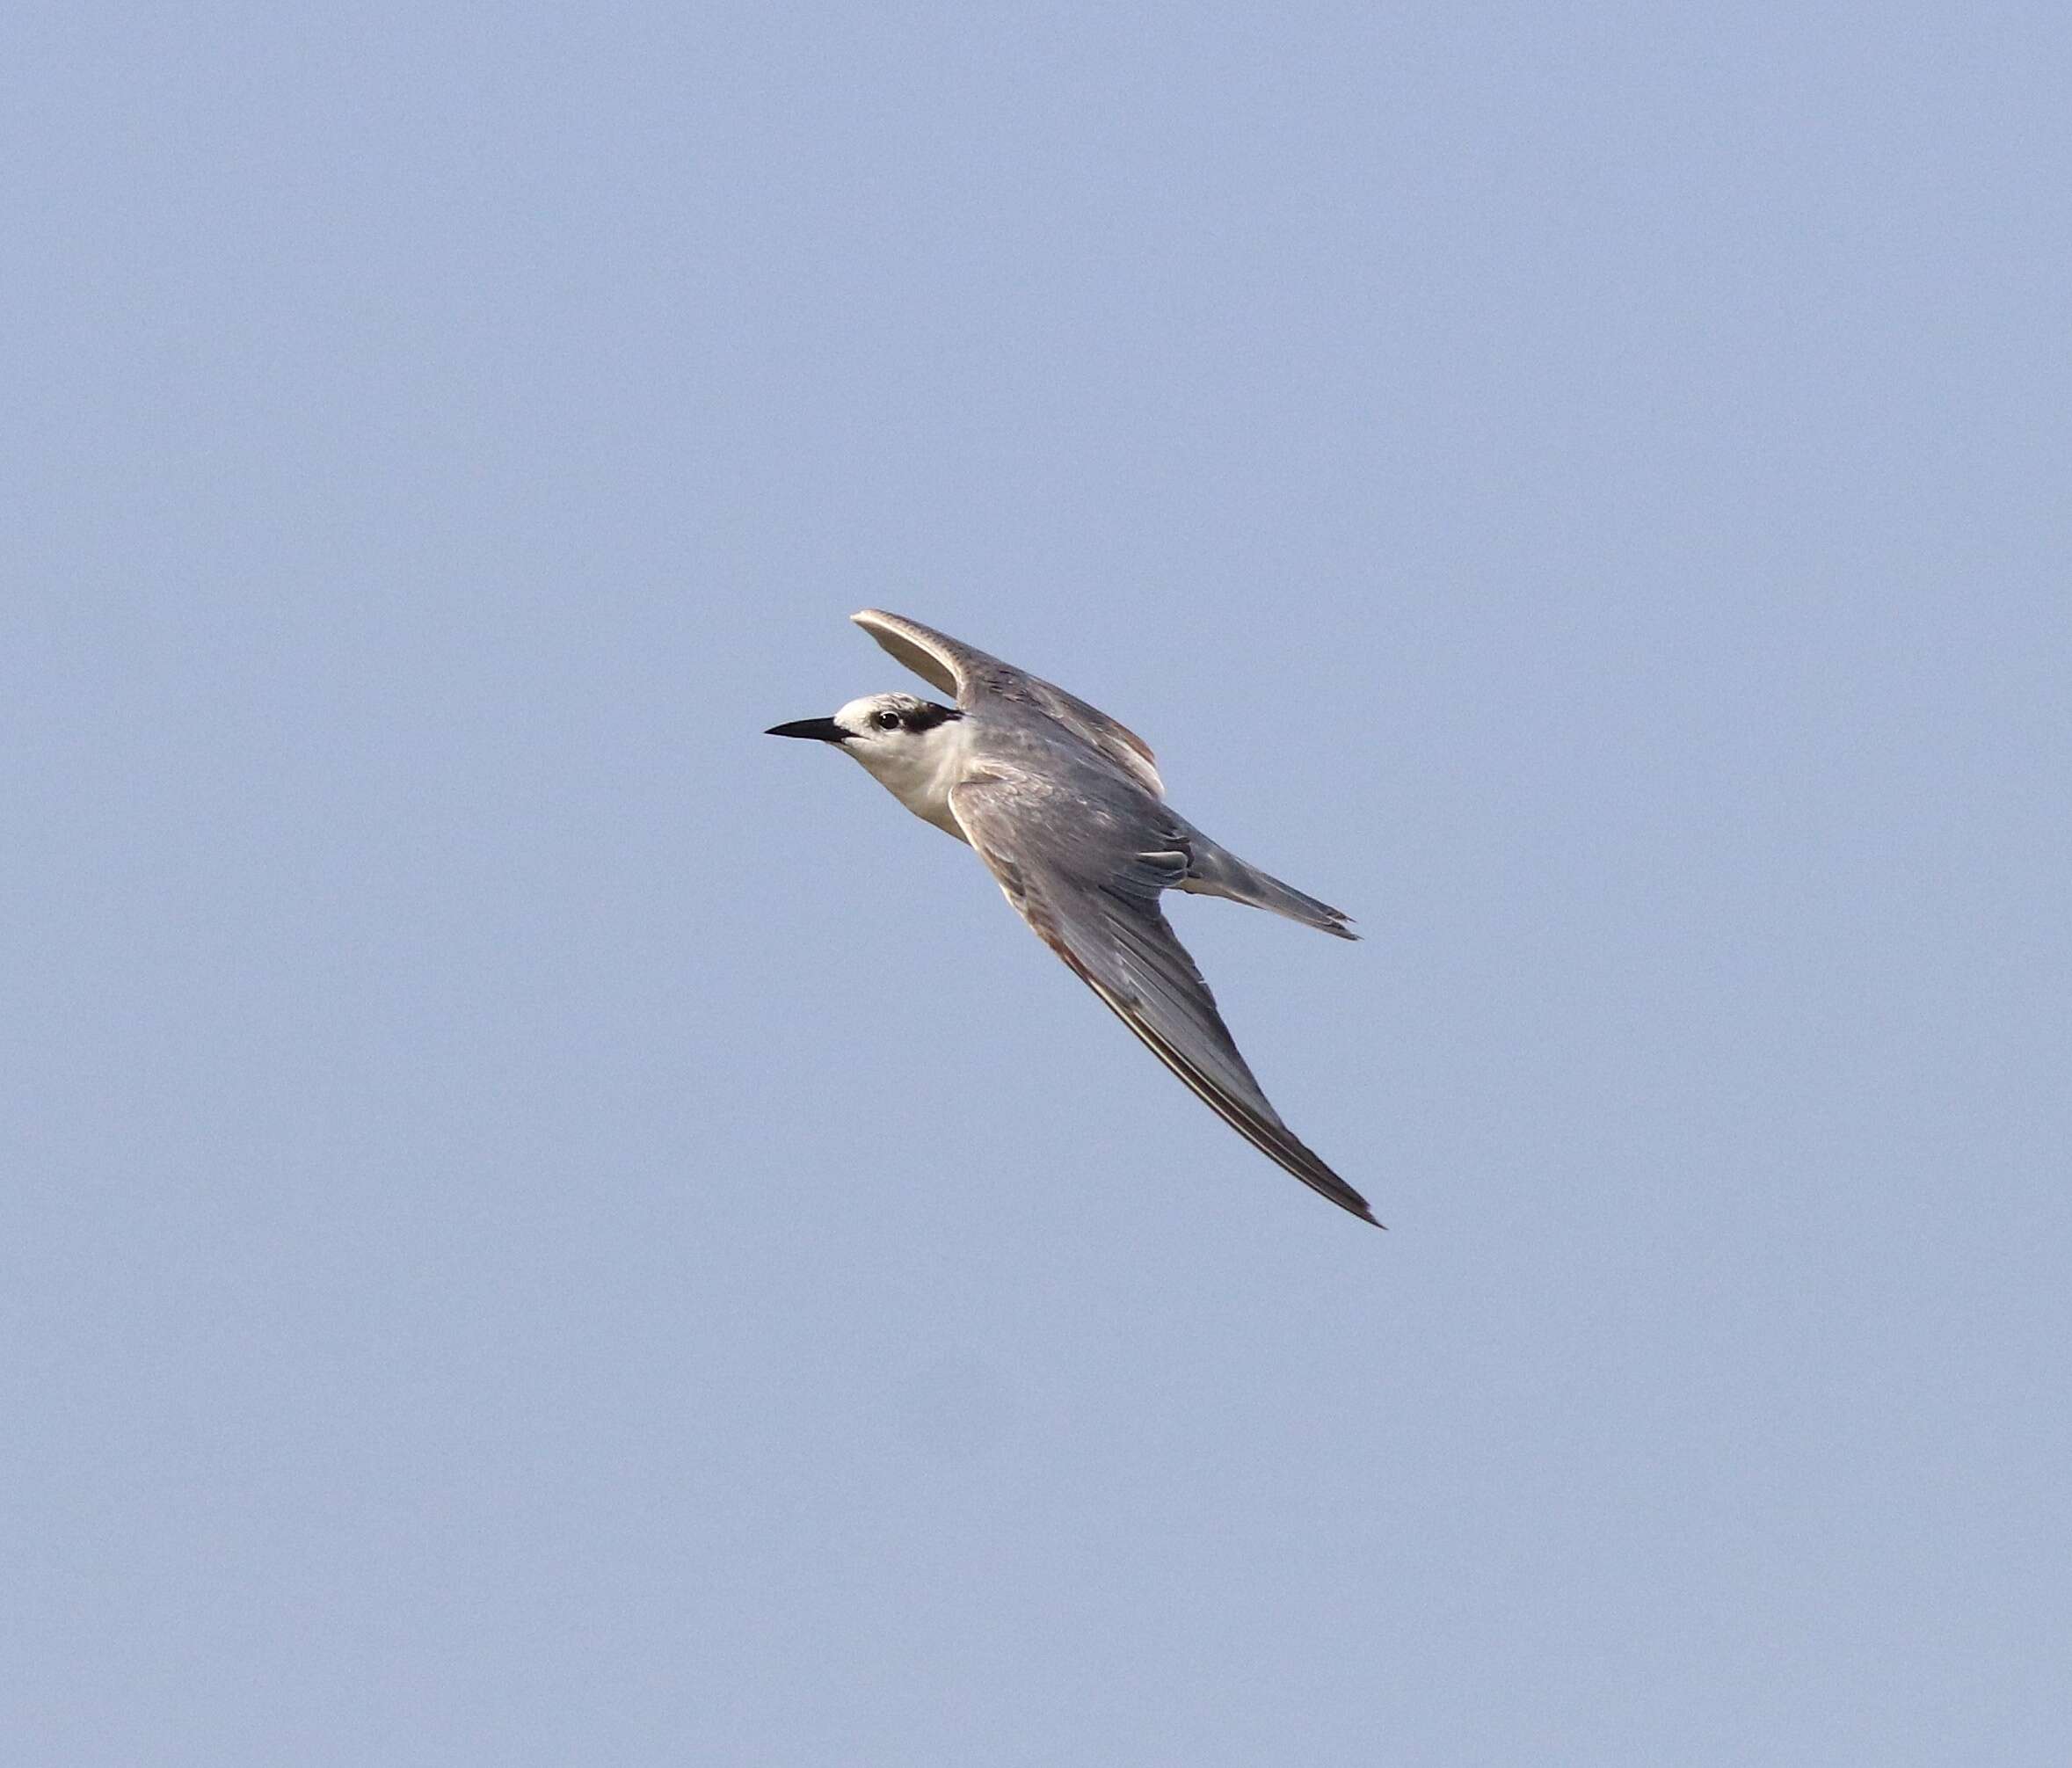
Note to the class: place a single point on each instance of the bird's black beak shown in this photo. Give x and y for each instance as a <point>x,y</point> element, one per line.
<point>820,729</point>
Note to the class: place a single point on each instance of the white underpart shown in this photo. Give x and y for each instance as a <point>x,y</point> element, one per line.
<point>917,767</point>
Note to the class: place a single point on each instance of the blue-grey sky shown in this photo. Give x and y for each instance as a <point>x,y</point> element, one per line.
<point>540,1226</point>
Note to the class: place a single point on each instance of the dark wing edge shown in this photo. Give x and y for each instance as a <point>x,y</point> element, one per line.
<point>1129,912</point>
<point>1272,1138</point>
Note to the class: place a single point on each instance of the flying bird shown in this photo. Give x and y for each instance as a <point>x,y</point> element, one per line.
<point>1066,809</point>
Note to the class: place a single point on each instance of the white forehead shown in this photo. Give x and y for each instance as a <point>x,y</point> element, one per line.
<point>856,714</point>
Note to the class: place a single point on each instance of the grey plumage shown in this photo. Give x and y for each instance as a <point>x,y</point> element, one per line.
<point>1065,807</point>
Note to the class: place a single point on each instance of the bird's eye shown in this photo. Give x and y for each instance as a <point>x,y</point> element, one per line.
<point>886,721</point>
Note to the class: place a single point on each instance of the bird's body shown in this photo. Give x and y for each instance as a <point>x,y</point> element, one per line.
<point>1065,807</point>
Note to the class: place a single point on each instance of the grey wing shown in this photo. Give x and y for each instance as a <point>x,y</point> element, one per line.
<point>970,674</point>
<point>1100,913</point>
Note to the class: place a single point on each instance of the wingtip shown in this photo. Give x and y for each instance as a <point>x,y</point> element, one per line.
<point>1346,1200</point>
<point>1354,1204</point>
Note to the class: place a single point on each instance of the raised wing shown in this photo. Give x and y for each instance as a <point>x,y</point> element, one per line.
<point>954,668</point>
<point>1095,901</point>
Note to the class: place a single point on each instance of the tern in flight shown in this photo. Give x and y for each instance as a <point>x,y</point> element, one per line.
<point>1068,812</point>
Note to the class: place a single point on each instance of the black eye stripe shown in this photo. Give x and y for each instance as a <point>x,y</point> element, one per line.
<point>924,716</point>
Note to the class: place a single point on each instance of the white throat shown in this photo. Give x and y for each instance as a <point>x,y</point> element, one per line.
<point>919,769</point>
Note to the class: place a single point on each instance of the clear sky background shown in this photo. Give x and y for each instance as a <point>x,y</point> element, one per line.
<point>539,1226</point>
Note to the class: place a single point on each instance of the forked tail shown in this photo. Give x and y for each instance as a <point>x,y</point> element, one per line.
<point>1214,870</point>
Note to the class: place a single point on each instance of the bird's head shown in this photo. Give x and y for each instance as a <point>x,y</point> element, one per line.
<point>895,736</point>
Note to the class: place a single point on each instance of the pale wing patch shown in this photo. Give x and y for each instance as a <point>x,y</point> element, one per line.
<point>929,654</point>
